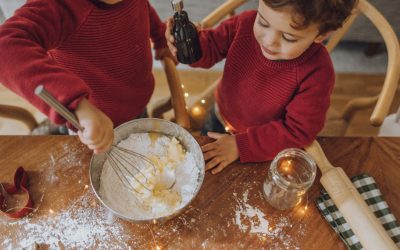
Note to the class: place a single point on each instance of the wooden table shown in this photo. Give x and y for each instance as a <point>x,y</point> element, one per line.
<point>221,216</point>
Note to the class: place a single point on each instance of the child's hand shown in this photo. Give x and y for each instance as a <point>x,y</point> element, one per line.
<point>221,153</point>
<point>98,133</point>
<point>170,38</point>
<point>164,52</point>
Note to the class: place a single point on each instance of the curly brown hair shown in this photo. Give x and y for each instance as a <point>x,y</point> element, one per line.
<point>329,14</point>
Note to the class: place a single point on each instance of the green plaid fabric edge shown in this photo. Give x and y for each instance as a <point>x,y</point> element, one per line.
<point>369,191</point>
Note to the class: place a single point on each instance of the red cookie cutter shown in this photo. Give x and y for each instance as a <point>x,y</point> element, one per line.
<point>21,182</point>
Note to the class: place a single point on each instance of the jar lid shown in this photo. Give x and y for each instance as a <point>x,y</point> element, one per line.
<point>177,5</point>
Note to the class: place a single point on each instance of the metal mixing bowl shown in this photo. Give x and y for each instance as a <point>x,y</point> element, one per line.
<point>143,126</point>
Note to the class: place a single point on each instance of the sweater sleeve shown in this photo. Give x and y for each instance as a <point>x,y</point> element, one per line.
<point>36,28</point>
<point>304,118</point>
<point>215,43</point>
<point>157,29</point>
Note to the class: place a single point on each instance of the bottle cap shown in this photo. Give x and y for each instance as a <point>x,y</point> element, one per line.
<point>177,5</point>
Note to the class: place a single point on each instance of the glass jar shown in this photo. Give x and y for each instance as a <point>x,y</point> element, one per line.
<point>291,174</point>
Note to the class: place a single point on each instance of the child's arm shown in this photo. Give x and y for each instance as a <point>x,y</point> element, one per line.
<point>25,38</point>
<point>214,43</point>
<point>305,116</point>
<point>303,120</point>
<point>157,29</point>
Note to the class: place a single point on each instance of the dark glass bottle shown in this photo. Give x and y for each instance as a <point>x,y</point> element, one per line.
<point>186,37</point>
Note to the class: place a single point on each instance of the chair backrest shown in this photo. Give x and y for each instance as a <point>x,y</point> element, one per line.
<point>18,113</point>
<point>226,9</point>
<point>384,100</point>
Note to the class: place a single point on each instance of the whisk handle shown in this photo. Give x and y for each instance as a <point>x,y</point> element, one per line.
<point>54,103</point>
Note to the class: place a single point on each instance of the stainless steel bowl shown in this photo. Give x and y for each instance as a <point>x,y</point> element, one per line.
<point>143,126</point>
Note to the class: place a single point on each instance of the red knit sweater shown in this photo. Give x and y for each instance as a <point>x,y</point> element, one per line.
<point>268,105</point>
<point>78,48</point>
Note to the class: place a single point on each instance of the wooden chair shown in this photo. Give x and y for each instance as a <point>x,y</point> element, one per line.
<point>178,103</point>
<point>337,121</point>
<point>19,114</point>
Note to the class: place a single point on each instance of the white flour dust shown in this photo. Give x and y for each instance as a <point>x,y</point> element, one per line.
<point>170,160</point>
<point>250,219</point>
<point>78,226</point>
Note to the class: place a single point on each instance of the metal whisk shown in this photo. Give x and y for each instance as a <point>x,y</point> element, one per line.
<point>132,168</point>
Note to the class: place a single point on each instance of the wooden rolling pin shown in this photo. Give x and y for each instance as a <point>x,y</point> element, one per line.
<point>362,221</point>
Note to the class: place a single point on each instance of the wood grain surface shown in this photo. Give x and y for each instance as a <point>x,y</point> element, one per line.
<point>58,168</point>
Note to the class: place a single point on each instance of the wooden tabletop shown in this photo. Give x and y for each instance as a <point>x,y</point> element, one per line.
<point>228,213</point>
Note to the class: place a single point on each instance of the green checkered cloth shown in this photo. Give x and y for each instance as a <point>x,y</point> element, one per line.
<point>369,191</point>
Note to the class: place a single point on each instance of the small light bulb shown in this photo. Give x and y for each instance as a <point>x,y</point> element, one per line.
<point>227,129</point>
<point>86,186</point>
<point>196,110</point>
<point>203,101</point>
<point>186,94</point>
<point>182,86</point>
<point>51,211</point>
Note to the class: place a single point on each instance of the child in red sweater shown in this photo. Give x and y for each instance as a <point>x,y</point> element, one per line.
<point>93,55</point>
<point>277,80</point>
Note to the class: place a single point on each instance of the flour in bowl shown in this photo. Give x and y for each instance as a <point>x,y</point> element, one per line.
<point>170,160</point>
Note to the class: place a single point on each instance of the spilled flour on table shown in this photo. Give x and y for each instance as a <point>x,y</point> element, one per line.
<point>77,226</point>
<point>70,224</point>
<point>269,229</point>
<point>256,219</point>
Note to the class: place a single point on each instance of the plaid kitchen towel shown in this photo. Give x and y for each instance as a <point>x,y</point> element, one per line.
<point>368,189</point>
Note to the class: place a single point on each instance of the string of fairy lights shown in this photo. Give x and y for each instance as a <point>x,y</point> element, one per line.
<point>199,109</point>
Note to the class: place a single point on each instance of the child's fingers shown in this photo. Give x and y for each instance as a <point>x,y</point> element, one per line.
<point>197,25</point>
<point>170,38</point>
<point>168,30</point>
<point>107,141</point>
<point>170,22</point>
<point>92,139</point>
<point>208,147</point>
<point>220,167</point>
<point>215,135</point>
<point>92,142</point>
<point>99,143</point>
<point>173,49</point>
<point>210,154</point>
<point>104,146</point>
<point>214,162</point>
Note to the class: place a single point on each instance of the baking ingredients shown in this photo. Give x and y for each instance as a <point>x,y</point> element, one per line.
<point>171,161</point>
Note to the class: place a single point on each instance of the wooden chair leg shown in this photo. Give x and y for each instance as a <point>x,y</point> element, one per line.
<point>161,107</point>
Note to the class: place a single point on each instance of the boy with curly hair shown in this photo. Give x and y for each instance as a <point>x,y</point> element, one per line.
<point>277,80</point>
